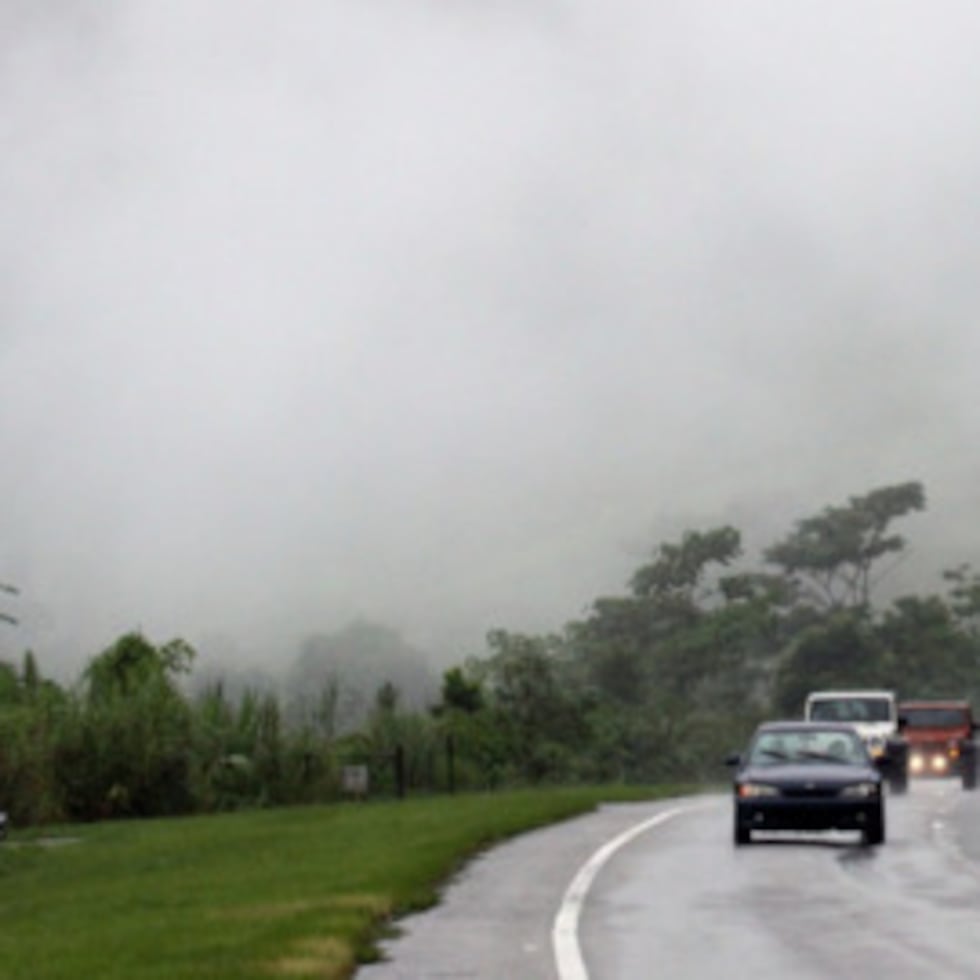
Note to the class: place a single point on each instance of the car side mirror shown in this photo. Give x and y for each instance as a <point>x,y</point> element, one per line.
<point>902,723</point>
<point>733,759</point>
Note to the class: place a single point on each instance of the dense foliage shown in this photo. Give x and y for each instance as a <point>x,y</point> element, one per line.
<point>654,684</point>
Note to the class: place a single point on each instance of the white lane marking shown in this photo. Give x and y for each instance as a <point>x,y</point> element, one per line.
<point>564,934</point>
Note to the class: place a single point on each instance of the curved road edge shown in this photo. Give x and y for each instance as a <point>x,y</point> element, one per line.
<point>496,917</point>
<point>564,935</point>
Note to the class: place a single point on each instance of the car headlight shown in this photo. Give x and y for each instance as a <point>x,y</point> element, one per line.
<point>860,791</point>
<point>755,790</point>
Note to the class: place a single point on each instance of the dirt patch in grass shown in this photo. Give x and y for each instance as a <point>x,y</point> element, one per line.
<point>377,906</point>
<point>326,957</point>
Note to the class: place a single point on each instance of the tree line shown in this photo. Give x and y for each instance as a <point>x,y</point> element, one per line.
<point>657,683</point>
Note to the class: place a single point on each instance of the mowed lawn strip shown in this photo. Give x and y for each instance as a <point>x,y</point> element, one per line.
<point>301,892</point>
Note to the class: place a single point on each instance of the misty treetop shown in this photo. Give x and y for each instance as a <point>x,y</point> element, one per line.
<point>830,556</point>
<point>655,683</point>
<point>352,665</point>
<point>703,645</point>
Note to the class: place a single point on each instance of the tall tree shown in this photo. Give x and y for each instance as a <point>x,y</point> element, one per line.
<point>830,557</point>
<point>930,654</point>
<point>678,570</point>
<point>633,646</point>
<point>131,748</point>
<point>535,702</point>
<point>964,596</point>
<point>841,651</point>
<point>133,661</point>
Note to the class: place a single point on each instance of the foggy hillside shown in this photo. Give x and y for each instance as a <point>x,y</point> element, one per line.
<point>445,318</point>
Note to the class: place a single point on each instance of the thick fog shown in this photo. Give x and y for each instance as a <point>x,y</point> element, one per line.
<point>445,314</point>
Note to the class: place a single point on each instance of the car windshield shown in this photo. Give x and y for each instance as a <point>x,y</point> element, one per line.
<point>935,717</point>
<point>773,748</point>
<point>861,709</point>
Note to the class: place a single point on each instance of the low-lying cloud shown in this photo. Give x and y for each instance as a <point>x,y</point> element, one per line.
<point>445,318</point>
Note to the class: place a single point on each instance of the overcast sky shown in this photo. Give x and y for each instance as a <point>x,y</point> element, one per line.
<point>446,314</point>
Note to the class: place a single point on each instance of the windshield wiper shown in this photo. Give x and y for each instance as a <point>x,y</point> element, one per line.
<point>825,757</point>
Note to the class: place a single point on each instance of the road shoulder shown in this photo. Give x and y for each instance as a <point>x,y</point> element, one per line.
<point>496,916</point>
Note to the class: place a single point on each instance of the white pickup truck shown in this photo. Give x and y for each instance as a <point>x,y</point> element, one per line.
<point>875,716</point>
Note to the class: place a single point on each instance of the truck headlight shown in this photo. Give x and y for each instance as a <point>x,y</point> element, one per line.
<point>754,790</point>
<point>860,791</point>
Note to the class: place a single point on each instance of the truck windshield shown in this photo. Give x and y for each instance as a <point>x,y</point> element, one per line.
<point>935,718</point>
<point>850,709</point>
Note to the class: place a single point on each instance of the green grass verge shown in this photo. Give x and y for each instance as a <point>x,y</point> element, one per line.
<point>302,892</point>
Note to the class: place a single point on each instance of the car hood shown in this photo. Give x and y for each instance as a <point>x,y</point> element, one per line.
<point>819,773</point>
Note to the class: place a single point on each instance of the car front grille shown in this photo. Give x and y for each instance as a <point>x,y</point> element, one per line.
<point>811,792</point>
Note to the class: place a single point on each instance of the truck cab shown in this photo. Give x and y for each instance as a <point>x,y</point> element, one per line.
<point>875,716</point>
<point>940,737</point>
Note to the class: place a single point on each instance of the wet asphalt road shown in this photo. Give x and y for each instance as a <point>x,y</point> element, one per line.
<point>679,901</point>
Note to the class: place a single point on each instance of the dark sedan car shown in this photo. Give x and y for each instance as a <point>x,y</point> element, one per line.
<point>807,776</point>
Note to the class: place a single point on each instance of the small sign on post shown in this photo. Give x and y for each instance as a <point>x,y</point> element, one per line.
<point>354,781</point>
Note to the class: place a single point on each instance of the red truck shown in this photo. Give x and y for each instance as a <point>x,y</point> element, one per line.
<point>940,739</point>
